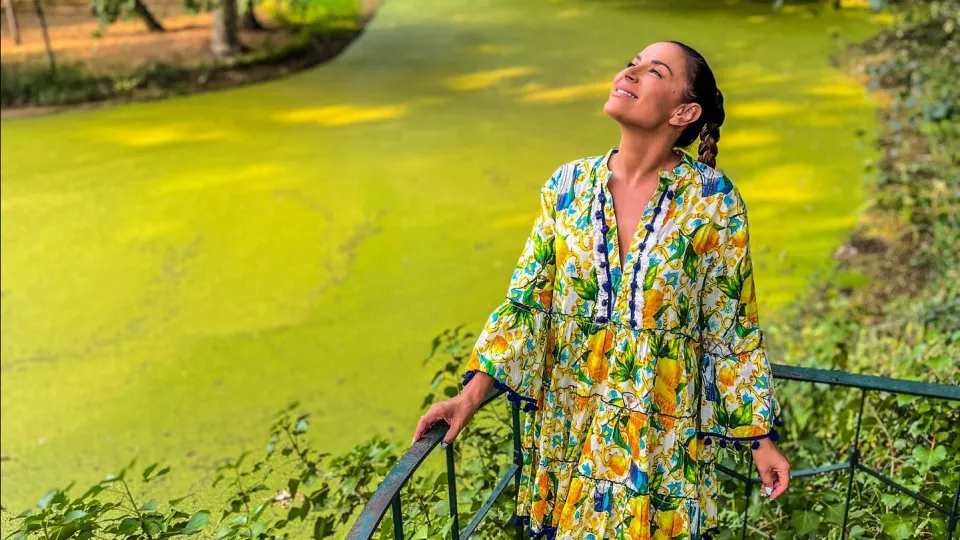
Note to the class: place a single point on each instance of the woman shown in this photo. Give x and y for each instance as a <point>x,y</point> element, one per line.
<point>631,325</point>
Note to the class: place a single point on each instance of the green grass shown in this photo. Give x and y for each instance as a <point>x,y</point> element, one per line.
<point>173,272</point>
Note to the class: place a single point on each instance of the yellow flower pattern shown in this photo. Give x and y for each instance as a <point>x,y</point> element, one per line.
<point>634,373</point>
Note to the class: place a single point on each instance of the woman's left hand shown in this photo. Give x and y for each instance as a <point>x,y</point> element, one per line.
<point>773,467</point>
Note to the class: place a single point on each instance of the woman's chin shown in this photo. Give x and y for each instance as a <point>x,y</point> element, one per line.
<point>614,109</point>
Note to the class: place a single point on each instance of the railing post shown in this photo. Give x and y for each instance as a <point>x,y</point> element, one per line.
<point>397,518</point>
<point>952,520</point>
<point>517,460</point>
<point>854,461</point>
<point>452,484</point>
<point>749,492</point>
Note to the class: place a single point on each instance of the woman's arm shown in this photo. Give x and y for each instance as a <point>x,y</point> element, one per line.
<point>737,400</point>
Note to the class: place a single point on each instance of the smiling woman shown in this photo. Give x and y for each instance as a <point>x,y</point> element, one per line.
<point>631,326</point>
<point>175,271</point>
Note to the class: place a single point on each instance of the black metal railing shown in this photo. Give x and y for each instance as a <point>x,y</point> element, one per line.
<point>387,495</point>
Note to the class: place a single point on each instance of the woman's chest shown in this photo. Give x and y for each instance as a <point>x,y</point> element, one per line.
<point>653,281</point>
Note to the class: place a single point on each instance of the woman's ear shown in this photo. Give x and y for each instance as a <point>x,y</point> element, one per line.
<point>686,114</point>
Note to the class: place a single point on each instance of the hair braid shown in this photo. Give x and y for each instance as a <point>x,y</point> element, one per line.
<point>702,90</point>
<point>710,135</point>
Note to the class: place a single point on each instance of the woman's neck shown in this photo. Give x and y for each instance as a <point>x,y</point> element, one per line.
<point>641,156</point>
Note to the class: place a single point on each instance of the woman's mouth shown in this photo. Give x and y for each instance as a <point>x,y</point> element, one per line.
<point>625,93</point>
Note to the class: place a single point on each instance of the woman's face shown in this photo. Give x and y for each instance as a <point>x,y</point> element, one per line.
<point>649,92</point>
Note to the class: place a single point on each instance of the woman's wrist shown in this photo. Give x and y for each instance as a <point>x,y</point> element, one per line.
<point>474,392</point>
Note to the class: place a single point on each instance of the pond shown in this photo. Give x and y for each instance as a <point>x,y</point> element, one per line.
<point>175,272</point>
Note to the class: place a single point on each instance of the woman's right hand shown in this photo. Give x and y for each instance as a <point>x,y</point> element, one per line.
<point>456,411</point>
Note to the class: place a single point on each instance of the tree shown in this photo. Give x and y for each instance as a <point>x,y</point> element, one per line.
<point>38,7</point>
<point>108,11</point>
<point>250,21</point>
<point>224,39</point>
<point>12,21</point>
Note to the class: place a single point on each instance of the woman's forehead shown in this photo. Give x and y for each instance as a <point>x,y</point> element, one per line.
<point>660,51</point>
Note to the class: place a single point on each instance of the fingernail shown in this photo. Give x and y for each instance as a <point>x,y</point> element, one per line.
<point>769,491</point>
<point>443,445</point>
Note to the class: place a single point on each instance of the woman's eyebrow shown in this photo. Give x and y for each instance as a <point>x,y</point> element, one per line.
<point>657,62</point>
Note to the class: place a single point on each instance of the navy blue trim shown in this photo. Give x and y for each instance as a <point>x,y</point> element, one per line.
<point>636,268</point>
<point>602,248</point>
<point>773,435</point>
<point>547,533</point>
<point>529,404</point>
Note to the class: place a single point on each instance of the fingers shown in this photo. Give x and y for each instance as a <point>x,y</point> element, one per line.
<point>767,480</point>
<point>782,473</point>
<point>426,421</point>
<point>452,433</point>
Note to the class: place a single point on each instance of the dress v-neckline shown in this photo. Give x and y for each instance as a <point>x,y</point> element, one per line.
<point>641,242</point>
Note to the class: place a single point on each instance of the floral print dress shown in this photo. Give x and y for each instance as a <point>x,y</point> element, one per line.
<point>634,373</point>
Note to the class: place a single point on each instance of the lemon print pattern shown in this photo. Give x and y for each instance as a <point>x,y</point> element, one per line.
<point>632,374</point>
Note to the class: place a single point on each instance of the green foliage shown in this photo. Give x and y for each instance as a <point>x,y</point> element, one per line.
<point>108,509</point>
<point>36,84</point>
<point>891,310</point>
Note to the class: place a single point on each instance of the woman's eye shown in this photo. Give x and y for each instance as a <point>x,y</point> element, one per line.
<point>657,73</point>
<point>631,64</point>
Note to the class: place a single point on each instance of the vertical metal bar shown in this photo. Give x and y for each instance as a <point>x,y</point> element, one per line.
<point>518,461</point>
<point>397,518</point>
<point>854,460</point>
<point>452,484</point>
<point>952,519</point>
<point>749,492</point>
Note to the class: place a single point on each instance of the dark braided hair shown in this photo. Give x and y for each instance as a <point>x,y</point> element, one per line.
<point>702,90</point>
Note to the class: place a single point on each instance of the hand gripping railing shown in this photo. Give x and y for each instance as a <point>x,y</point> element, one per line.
<point>388,493</point>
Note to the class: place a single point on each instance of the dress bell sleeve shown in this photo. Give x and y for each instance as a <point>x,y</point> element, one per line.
<point>737,400</point>
<point>512,348</point>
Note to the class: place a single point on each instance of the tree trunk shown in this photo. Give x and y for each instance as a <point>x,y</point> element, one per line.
<point>250,21</point>
<point>224,41</point>
<point>46,35</point>
<point>12,21</point>
<point>152,23</point>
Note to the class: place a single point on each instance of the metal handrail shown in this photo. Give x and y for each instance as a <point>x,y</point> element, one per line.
<point>387,494</point>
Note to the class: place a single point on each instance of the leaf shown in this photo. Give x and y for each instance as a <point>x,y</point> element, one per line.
<point>729,286</point>
<point>149,506</point>
<point>897,526</point>
<point>586,288</point>
<point>723,418</point>
<point>128,525</point>
<point>543,252</point>
<point>690,262</point>
<point>680,250</point>
<point>834,514</point>
<point>44,501</point>
<point>928,459</point>
<point>257,530</point>
<point>690,468</point>
<point>197,522</point>
<point>805,521</point>
<point>651,277</point>
<point>74,515</point>
<point>743,416</point>
<point>683,310</point>
<point>178,500</point>
<point>301,426</point>
<point>19,535</point>
<point>148,470</point>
